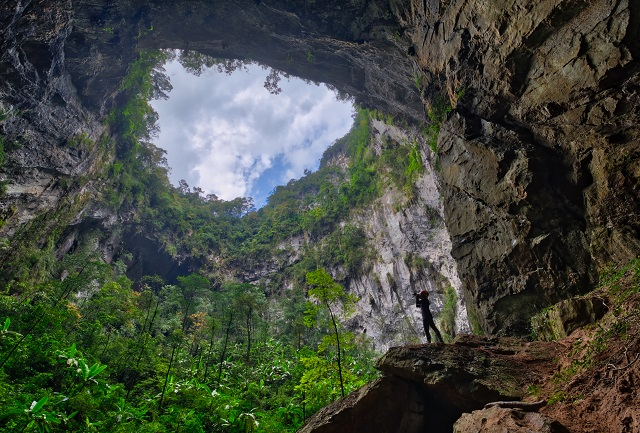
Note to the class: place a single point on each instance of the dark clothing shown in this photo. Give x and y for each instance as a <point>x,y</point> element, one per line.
<point>427,318</point>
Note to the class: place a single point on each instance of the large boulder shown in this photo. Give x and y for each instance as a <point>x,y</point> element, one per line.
<point>428,387</point>
<point>390,404</point>
<point>473,371</point>
<point>497,419</point>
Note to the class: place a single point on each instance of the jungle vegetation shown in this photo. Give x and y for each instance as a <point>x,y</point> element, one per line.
<point>85,348</point>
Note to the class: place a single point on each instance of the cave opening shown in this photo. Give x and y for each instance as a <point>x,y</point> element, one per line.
<point>240,129</point>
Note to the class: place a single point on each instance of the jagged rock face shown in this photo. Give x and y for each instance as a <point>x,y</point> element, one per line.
<point>355,46</point>
<point>472,371</point>
<point>389,404</point>
<point>566,316</point>
<point>540,162</point>
<point>43,115</point>
<point>402,232</point>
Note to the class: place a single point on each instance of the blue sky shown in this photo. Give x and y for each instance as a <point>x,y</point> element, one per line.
<point>231,137</point>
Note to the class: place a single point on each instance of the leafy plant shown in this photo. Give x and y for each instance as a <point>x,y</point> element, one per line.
<point>437,113</point>
<point>449,313</point>
<point>38,419</point>
<point>329,294</point>
<point>419,78</point>
<point>2,142</point>
<point>80,141</point>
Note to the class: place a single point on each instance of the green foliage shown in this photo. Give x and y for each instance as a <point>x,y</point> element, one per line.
<point>76,391</point>
<point>82,351</point>
<point>419,79</point>
<point>415,263</point>
<point>4,114</point>
<point>403,165</point>
<point>31,257</point>
<point>437,114</point>
<point>439,107</point>
<point>3,185</point>
<point>139,176</point>
<point>326,291</point>
<point>196,63</point>
<point>386,118</point>
<point>474,321</point>
<point>135,120</point>
<point>331,297</point>
<point>80,141</point>
<point>449,313</point>
<point>415,167</point>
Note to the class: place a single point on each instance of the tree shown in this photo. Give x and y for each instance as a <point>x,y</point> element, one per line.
<point>293,308</point>
<point>191,288</point>
<point>330,295</point>
<point>248,301</point>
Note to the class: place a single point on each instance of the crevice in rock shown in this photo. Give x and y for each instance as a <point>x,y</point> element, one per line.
<point>561,15</point>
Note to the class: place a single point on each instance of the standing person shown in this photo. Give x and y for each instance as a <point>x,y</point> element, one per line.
<point>422,301</point>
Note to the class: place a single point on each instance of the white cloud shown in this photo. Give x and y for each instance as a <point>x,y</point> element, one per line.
<point>222,132</point>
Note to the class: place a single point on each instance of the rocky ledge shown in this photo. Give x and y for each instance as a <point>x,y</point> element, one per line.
<point>429,387</point>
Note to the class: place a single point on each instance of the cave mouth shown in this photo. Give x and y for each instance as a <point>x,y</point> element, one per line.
<point>240,129</point>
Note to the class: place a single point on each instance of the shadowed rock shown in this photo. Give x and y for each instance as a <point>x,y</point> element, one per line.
<point>428,387</point>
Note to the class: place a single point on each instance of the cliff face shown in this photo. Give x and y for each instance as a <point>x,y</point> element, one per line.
<point>41,115</point>
<point>412,253</point>
<point>410,248</point>
<point>407,251</point>
<point>538,162</point>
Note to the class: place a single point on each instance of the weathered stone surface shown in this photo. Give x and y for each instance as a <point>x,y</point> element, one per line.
<point>497,419</point>
<point>351,45</point>
<point>536,191</point>
<point>566,316</point>
<point>412,253</point>
<point>473,371</point>
<point>427,388</point>
<point>387,405</point>
<point>42,114</point>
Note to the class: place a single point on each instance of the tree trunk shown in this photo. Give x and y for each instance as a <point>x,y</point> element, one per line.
<point>249,334</point>
<point>224,349</point>
<point>335,327</point>
<point>166,378</point>
<point>213,334</point>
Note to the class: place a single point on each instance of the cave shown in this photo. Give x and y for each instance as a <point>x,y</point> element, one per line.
<point>536,201</point>
<point>536,147</point>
